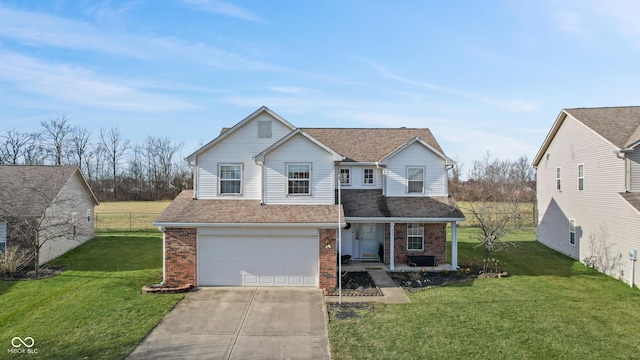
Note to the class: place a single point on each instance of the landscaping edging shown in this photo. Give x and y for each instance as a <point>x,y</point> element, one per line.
<point>159,289</point>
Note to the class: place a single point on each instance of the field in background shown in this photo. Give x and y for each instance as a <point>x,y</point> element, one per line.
<point>128,215</point>
<point>526,214</point>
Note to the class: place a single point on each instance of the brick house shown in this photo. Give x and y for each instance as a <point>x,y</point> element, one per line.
<point>265,212</point>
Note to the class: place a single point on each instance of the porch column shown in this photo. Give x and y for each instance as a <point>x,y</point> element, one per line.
<point>454,245</point>
<point>392,230</point>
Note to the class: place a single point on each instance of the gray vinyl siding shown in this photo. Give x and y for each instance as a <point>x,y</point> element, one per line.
<point>416,155</point>
<point>634,165</point>
<point>73,197</point>
<point>239,148</point>
<point>300,150</point>
<point>599,207</point>
<point>357,177</point>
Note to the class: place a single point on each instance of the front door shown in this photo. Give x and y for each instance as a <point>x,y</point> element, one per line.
<point>368,241</point>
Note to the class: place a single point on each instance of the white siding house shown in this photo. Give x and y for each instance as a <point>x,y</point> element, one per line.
<point>583,171</point>
<point>265,208</point>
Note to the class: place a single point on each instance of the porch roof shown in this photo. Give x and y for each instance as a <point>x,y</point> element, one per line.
<point>185,211</point>
<point>372,204</point>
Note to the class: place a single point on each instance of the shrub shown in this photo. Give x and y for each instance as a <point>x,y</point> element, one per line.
<point>13,261</point>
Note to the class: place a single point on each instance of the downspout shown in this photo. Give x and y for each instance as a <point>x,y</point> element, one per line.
<point>164,259</point>
<point>454,245</point>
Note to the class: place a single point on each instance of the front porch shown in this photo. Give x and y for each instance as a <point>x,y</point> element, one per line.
<point>357,265</point>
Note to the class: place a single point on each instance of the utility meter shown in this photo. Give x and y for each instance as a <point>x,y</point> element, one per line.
<point>633,255</point>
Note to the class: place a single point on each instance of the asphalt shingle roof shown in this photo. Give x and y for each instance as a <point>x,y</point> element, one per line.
<point>369,145</point>
<point>619,125</point>
<point>371,203</point>
<point>26,190</point>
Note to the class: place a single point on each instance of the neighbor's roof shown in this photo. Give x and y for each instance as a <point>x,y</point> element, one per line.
<point>370,144</point>
<point>372,204</point>
<point>185,210</point>
<point>618,125</point>
<point>29,189</point>
<point>633,199</point>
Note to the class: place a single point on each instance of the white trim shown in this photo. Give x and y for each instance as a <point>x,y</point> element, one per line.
<point>448,160</point>
<point>558,179</point>
<point>373,176</point>
<point>266,125</point>
<point>572,224</point>
<point>424,176</point>
<point>420,226</point>
<point>260,157</point>
<point>348,172</point>
<point>580,177</point>
<point>327,225</point>
<point>286,179</point>
<point>392,245</point>
<point>402,220</point>
<point>220,179</point>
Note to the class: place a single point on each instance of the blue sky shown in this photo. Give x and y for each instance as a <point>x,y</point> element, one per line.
<point>482,75</point>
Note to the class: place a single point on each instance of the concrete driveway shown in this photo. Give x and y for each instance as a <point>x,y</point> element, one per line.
<point>241,323</point>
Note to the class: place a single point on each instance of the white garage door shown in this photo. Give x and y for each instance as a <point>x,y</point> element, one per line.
<point>258,260</point>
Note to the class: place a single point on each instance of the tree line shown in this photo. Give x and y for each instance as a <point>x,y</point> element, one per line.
<point>115,168</point>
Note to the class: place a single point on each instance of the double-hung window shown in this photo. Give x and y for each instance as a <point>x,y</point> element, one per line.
<point>368,177</point>
<point>581,177</point>
<point>230,179</point>
<point>558,179</point>
<point>299,179</point>
<point>415,179</point>
<point>345,176</point>
<point>3,237</point>
<point>415,236</point>
<point>572,231</point>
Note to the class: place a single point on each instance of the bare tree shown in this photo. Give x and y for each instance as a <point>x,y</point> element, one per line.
<point>115,148</point>
<point>56,132</point>
<point>14,146</point>
<point>80,143</point>
<point>34,153</point>
<point>36,211</point>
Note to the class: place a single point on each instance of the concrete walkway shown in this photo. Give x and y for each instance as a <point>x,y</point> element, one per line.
<point>392,293</point>
<point>241,323</point>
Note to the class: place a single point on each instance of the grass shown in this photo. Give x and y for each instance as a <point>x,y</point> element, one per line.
<point>94,309</point>
<point>549,307</point>
<point>526,211</point>
<point>128,215</point>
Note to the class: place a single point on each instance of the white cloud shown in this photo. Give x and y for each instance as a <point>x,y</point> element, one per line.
<point>78,86</point>
<point>223,8</point>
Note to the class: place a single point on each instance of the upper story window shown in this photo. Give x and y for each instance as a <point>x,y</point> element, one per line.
<point>3,236</point>
<point>572,231</point>
<point>345,176</point>
<point>368,177</point>
<point>230,176</point>
<point>264,129</point>
<point>299,179</point>
<point>415,236</point>
<point>415,179</point>
<point>558,179</point>
<point>581,177</point>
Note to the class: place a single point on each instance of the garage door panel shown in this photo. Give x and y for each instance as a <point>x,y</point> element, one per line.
<point>258,261</point>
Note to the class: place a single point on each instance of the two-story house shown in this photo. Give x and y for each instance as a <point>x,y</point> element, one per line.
<point>588,181</point>
<point>265,212</point>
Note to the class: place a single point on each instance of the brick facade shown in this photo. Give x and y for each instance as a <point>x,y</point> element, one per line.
<point>328,259</point>
<point>180,257</point>
<point>435,243</point>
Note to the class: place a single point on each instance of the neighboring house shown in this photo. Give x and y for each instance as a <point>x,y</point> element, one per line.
<point>588,181</point>
<point>264,210</point>
<point>52,205</point>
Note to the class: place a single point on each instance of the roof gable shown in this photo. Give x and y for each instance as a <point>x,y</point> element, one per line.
<point>419,141</point>
<point>260,157</point>
<point>371,144</point>
<point>226,132</point>
<point>618,125</point>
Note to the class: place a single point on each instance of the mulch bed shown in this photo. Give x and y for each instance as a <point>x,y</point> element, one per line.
<point>419,280</point>
<point>357,283</point>
<point>43,273</point>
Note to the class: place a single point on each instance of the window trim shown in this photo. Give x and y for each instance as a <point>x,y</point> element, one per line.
<point>3,239</point>
<point>424,171</point>
<point>287,179</point>
<point>558,179</point>
<point>572,232</point>
<point>364,177</point>
<point>580,177</point>
<point>348,172</point>
<point>220,179</point>
<point>421,236</point>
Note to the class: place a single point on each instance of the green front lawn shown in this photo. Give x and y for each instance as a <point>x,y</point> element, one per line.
<point>550,307</point>
<point>94,309</point>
